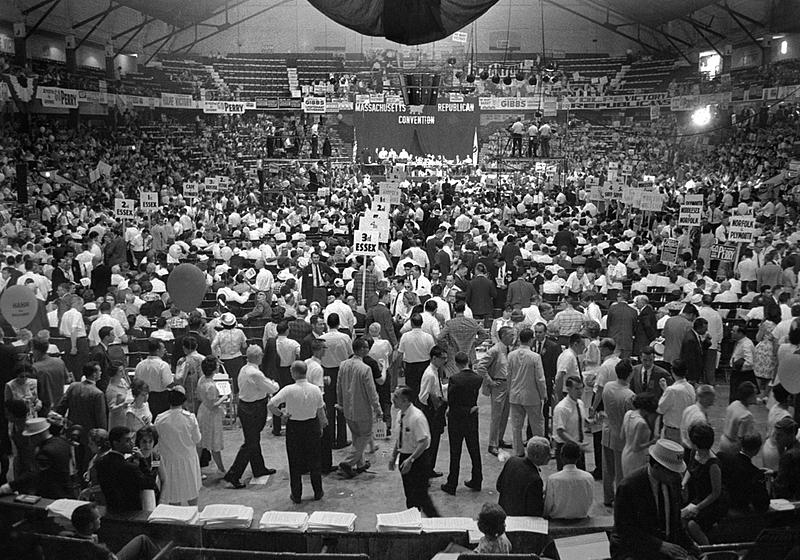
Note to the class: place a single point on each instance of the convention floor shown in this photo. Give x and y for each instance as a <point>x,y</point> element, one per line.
<point>379,490</point>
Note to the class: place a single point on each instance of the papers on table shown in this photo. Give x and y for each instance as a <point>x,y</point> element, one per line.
<point>178,515</point>
<point>408,521</point>
<point>226,516</point>
<point>292,521</point>
<point>526,524</point>
<point>452,525</point>
<point>64,508</point>
<point>593,546</point>
<point>331,522</point>
<point>781,504</point>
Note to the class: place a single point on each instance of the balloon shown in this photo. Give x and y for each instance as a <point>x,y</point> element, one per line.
<point>789,372</point>
<point>18,306</point>
<point>187,287</point>
<point>742,209</point>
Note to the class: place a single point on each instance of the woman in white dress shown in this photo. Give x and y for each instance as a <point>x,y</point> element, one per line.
<point>739,421</point>
<point>178,438</point>
<point>210,412</point>
<point>118,396</point>
<point>638,432</point>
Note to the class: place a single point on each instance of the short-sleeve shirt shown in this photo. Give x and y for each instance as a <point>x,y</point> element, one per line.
<point>565,415</point>
<point>416,346</point>
<point>72,324</point>
<point>414,429</point>
<point>156,373</point>
<point>314,372</point>
<point>302,399</point>
<point>430,384</point>
<point>288,350</point>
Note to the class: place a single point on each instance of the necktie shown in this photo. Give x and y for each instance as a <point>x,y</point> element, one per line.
<point>580,422</point>
<point>645,377</point>
<point>394,305</point>
<point>400,438</point>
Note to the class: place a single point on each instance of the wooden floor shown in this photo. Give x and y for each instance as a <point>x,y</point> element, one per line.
<point>379,490</point>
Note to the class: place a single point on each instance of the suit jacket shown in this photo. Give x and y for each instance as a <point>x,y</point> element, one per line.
<point>305,345</point>
<point>380,314</point>
<point>481,292</point>
<point>50,477</point>
<point>693,354</point>
<point>307,280</point>
<point>549,354</point>
<point>622,320</point>
<point>101,279</point>
<point>637,533</point>
<point>519,293</point>
<point>122,482</point>
<point>521,488</point>
<point>646,330</point>
<point>58,276</point>
<point>100,355</point>
<point>787,483</point>
<point>462,392</point>
<point>747,489</point>
<point>84,404</point>
<point>652,383</point>
<point>203,346</point>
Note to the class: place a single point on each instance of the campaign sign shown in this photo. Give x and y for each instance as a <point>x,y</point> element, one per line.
<point>741,229</point>
<point>148,202</point>
<point>689,215</point>
<point>669,251</point>
<point>390,190</point>
<point>365,243</point>
<point>124,208</point>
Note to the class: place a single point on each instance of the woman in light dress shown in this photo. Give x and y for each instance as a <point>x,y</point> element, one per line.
<point>118,396</point>
<point>638,431</point>
<point>765,356</point>
<point>138,414</point>
<point>770,452</point>
<point>210,412</point>
<point>188,372</point>
<point>178,438</point>
<point>739,420</point>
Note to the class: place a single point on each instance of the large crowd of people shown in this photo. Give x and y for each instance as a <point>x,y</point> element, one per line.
<point>559,309</point>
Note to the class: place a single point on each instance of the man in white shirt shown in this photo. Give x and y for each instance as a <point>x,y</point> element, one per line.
<point>715,334</point>
<point>433,404</point>
<point>314,372</point>
<point>420,285</point>
<point>414,348</point>
<point>106,320</point>
<point>304,413</point>
<point>569,493</point>
<point>569,421</point>
<point>616,273</point>
<point>346,318</point>
<point>264,279</point>
<point>697,413</point>
<point>568,365</point>
<point>154,371</point>
<point>741,360</point>
<point>676,398</point>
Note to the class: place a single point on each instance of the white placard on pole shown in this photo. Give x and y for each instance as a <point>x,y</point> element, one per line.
<point>148,202</point>
<point>375,221</point>
<point>693,200</point>
<point>365,243</point>
<point>190,190</point>
<point>124,208</point>
<point>741,229</point>
<point>689,215</point>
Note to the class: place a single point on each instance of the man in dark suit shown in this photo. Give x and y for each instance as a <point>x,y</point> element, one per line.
<point>101,356</point>
<point>549,350</point>
<point>462,423</point>
<point>645,331</point>
<point>520,483</point>
<point>314,280</point>
<point>85,404</point>
<point>203,343</point>
<point>101,279</point>
<point>647,509</point>
<point>621,324</point>
<point>647,376</point>
<point>481,292</point>
<point>318,328</point>
<point>50,477</point>
<point>122,480</point>
<point>380,314</point>
<point>68,271</point>
<point>693,350</point>
<point>739,473</point>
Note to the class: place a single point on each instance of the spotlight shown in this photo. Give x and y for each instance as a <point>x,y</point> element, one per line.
<point>495,79</point>
<point>532,80</point>
<point>507,80</point>
<point>484,75</point>
<point>470,78</point>
<point>702,116</point>
<point>520,76</point>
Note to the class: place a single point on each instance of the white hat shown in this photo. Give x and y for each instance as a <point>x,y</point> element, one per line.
<point>669,455</point>
<point>228,320</point>
<point>35,426</point>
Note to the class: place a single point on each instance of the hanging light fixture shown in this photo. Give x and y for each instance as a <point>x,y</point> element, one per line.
<point>470,78</point>
<point>484,75</point>
<point>495,79</point>
<point>520,76</point>
<point>532,80</point>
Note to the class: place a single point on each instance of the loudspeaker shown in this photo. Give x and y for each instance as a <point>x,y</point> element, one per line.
<point>22,183</point>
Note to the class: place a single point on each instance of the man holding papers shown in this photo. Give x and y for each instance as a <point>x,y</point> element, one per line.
<point>305,418</point>
<point>413,436</point>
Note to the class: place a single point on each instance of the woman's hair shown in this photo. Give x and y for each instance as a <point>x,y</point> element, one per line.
<point>772,311</point>
<point>176,398</point>
<point>745,392</point>
<point>209,365</point>
<point>492,520</point>
<point>161,322</point>
<point>114,369</point>
<point>646,402</point>
<point>146,431</point>
<point>138,387</point>
<point>701,435</point>
<point>99,437</point>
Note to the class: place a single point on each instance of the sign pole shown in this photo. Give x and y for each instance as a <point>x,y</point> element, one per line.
<point>364,290</point>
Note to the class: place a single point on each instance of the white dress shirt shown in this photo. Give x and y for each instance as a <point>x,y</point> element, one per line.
<point>569,494</point>
<point>302,399</point>
<point>675,400</point>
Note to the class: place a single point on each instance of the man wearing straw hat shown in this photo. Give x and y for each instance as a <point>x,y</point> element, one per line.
<point>50,478</point>
<point>647,509</point>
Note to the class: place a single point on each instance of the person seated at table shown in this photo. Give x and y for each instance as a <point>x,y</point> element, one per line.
<point>492,523</point>
<point>520,482</point>
<point>569,493</point>
<point>121,479</point>
<point>787,481</point>
<point>86,522</point>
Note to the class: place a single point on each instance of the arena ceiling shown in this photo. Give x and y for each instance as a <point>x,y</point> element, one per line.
<point>179,13</point>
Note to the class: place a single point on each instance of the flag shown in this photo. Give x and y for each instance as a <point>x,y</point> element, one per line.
<point>475,149</point>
